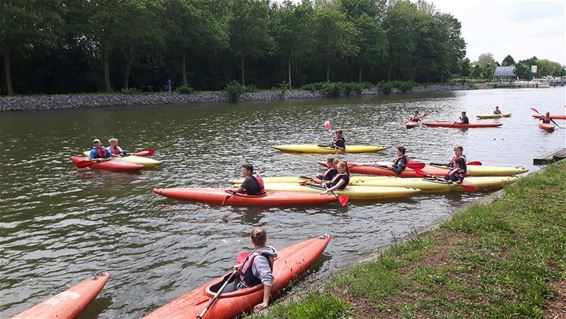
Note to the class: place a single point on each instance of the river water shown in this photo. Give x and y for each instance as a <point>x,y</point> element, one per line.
<point>58,225</point>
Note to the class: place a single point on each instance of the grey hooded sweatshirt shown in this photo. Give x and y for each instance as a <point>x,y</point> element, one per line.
<point>260,267</point>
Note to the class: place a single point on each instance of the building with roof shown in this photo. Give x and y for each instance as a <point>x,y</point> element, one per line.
<point>504,74</point>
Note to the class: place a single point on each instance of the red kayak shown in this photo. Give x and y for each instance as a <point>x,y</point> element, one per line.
<point>290,263</point>
<point>70,303</point>
<point>412,124</point>
<point>110,165</point>
<point>547,127</point>
<point>384,171</point>
<point>552,116</point>
<point>460,125</point>
<point>218,196</point>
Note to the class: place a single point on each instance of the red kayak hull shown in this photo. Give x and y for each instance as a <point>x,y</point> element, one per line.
<point>383,171</point>
<point>412,124</point>
<point>552,116</point>
<point>547,127</point>
<point>290,263</point>
<point>110,165</point>
<point>460,125</point>
<point>218,196</point>
<point>68,304</point>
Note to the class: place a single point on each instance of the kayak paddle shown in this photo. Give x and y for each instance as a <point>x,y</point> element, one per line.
<point>148,152</point>
<point>412,165</point>
<point>343,200</point>
<point>468,188</point>
<point>532,108</point>
<point>476,163</point>
<point>231,193</point>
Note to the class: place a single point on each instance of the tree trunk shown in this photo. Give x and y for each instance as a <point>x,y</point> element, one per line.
<point>184,69</point>
<point>328,72</point>
<point>360,74</point>
<point>106,59</point>
<point>128,72</point>
<point>242,66</point>
<point>289,72</point>
<point>389,72</point>
<point>7,73</point>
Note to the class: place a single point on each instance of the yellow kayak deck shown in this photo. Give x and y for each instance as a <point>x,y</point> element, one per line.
<point>353,192</point>
<point>483,183</point>
<point>314,148</point>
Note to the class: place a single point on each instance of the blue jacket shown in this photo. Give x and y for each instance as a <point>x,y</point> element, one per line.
<point>94,154</point>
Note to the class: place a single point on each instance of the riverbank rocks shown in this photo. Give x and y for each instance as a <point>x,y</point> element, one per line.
<point>49,102</point>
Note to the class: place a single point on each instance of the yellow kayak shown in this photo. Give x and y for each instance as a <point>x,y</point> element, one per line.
<point>427,185</point>
<point>354,192</point>
<point>493,116</point>
<point>313,148</point>
<point>297,179</point>
<point>482,170</point>
<point>145,161</point>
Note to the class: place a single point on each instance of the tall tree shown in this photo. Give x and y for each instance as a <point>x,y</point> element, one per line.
<point>508,61</point>
<point>371,41</point>
<point>334,36</point>
<point>25,24</point>
<point>249,35</point>
<point>487,65</point>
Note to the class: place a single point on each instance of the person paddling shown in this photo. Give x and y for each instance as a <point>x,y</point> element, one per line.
<point>400,162</point>
<point>463,119</point>
<point>256,269</point>
<point>330,172</point>
<point>338,142</point>
<point>416,117</point>
<point>457,173</point>
<point>497,111</point>
<point>458,153</point>
<point>114,149</point>
<point>546,118</point>
<point>340,181</point>
<point>98,151</point>
<point>252,184</point>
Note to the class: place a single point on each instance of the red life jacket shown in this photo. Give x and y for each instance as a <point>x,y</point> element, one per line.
<point>259,182</point>
<point>115,150</point>
<point>101,151</point>
<point>247,276</point>
<point>453,160</point>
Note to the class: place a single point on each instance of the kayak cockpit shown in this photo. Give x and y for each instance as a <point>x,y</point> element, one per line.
<point>212,289</point>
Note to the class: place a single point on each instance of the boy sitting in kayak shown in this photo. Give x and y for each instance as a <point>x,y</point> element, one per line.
<point>458,153</point>
<point>114,149</point>
<point>330,172</point>
<point>339,142</point>
<point>497,111</point>
<point>546,118</point>
<point>463,119</point>
<point>98,151</point>
<point>340,181</point>
<point>252,184</point>
<point>456,174</point>
<point>400,161</point>
<point>416,117</point>
<point>257,268</point>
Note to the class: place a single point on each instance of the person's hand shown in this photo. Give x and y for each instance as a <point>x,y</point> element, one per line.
<point>260,307</point>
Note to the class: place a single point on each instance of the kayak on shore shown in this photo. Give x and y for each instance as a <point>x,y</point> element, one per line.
<point>483,183</point>
<point>134,159</point>
<point>492,116</point>
<point>547,127</point>
<point>290,263</point>
<point>460,125</point>
<point>321,149</point>
<point>353,192</point>
<point>218,196</point>
<point>110,165</point>
<point>70,303</point>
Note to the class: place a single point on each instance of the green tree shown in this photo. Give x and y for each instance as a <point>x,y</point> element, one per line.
<point>523,71</point>
<point>508,61</point>
<point>249,35</point>
<point>26,24</point>
<point>548,68</point>
<point>371,41</point>
<point>487,65</point>
<point>334,36</point>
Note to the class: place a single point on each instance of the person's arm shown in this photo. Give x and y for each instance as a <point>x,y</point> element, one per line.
<point>92,154</point>
<point>399,167</point>
<point>335,187</point>
<point>266,296</point>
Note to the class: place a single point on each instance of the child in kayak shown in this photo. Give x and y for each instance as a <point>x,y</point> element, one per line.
<point>463,119</point>
<point>339,142</point>
<point>256,269</point>
<point>416,117</point>
<point>98,151</point>
<point>456,174</point>
<point>330,172</point>
<point>546,118</point>
<point>497,111</point>
<point>458,153</point>
<point>252,184</point>
<point>400,162</point>
<point>114,149</point>
<point>340,181</point>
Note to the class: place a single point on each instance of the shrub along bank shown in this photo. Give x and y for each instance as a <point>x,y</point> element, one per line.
<point>506,259</point>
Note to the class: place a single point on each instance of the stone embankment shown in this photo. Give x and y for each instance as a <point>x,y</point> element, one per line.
<point>72,101</point>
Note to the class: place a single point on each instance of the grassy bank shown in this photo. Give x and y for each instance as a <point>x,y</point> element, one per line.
<point>502,260</point>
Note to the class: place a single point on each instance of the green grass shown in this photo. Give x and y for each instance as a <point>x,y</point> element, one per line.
<point>313,306</point>
<point>491,261</point>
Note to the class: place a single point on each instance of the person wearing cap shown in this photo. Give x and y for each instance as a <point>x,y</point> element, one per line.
<point>252,184</point>
<point>114,149</point>
<point>98,151</point>
<point>338,142</point>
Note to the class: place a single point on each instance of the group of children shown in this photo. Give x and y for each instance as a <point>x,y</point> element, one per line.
<point>98,150</point>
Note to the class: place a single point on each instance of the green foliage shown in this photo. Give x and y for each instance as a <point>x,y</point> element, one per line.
<point>234,90</point>
<point>130,91</point>
<point>508,61</point>
<point>184,89</point>
<point>313,306</point>
<point>385,87</point>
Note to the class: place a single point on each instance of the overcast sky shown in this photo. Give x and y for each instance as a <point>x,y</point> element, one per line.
<point>522,28</point>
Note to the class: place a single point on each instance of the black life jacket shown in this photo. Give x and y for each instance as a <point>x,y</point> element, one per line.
<point>247,276</point>
<point>338,178</point>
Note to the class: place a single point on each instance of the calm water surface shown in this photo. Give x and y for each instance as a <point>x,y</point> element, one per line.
<point>59,225</point>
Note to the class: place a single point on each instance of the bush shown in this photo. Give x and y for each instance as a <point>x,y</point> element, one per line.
<point>385,87</point>
<point>332,89</point>
<point>234,89</point>
<point>283,88</point>
<point>131,91</point>
<point>185,89</point>
<point>407,86</point>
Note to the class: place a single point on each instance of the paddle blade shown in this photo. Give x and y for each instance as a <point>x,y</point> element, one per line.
<point>242,257</point>
<point>327,124</point>
<point>420,173</point>
<point>468,188</point>
<point>226,198</point>
<point>149,152</point>
<point>343,200</point>
<point>532,108</point>
<point>416,165</point>
<point>474,163</point>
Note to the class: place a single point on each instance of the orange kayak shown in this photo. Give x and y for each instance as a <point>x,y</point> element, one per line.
<point>70,303</point>
<point>547,127</point>
<point>460,125</point>
<point>111,165</point>
<point>290,263</point>
<point>411,124</point>
<point>552,116</point>
<point>384,171</point>
<point>218,196</point>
